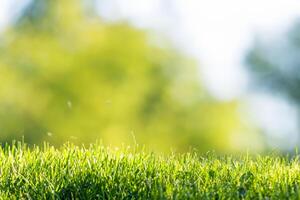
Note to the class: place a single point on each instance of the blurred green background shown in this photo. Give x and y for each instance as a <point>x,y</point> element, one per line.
<point>67,75</point>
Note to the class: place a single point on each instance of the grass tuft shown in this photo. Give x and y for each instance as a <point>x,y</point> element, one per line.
<point>98,172</point>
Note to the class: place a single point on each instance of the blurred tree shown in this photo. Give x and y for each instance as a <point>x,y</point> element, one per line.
<point>275,65</point>
<point>67,75</point>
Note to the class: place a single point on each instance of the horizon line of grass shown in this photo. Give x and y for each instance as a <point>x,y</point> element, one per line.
<point>99,172</point>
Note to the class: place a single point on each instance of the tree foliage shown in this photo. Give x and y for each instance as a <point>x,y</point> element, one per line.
<point>275,65</point>
<point>68,75</point>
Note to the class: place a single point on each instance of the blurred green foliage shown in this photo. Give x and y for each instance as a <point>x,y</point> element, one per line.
<point>67,75</point>
<point>275,64</point>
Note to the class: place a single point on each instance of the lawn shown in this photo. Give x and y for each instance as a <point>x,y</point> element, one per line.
<point>99,172</point>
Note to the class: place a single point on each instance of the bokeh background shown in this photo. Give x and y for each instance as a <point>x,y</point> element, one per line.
<point>170,75</point>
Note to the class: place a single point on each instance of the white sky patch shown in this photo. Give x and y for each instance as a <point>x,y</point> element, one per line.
<point>10,9</point>
<point>276,117</point>
<point>221,31</point>
<point>4,15</point>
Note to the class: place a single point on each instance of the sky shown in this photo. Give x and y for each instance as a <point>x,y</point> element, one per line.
<point>9,9</point>
<point>217,33</point>
<point>4,13</point>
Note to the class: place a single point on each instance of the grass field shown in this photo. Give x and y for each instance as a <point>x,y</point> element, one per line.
<point>98,172</point>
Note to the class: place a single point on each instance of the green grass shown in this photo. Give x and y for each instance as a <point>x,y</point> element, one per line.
<point>97,172</point>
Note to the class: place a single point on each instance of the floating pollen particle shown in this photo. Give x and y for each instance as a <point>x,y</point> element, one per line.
<point>70,105</point>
